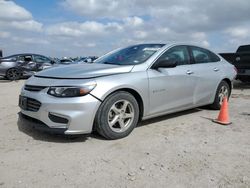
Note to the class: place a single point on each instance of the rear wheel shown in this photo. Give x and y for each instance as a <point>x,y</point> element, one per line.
<point>117,116</point>
<point>223,90</point>
<point>13,74</point>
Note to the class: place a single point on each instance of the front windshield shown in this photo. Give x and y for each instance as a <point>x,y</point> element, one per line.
<point>131,55</point>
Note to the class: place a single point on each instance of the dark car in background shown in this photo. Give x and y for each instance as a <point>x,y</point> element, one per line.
<point>23,65</point>
<point>66,61</point>
<point>241,60</point>
<point>89,59</point>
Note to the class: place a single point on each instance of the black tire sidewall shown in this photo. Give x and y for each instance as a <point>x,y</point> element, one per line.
<point>216,104</point>
<point>17,77</point>
<point>101,122</point>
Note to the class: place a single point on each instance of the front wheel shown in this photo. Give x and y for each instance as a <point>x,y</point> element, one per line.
<point>117,116</point>
<point>223,90</point>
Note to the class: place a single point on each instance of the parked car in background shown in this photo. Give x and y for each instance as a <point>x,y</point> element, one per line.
<point>89,59</point>
<point>241,60</point>
<point>70,61</point>
<point>137,82</point>
<point>21,65</point>
<point>65,61</point>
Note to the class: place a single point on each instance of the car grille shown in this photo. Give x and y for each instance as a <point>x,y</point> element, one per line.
<point>34,88</point>
<point>33,105</point>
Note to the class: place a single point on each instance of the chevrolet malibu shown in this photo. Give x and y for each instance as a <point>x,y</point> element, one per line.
<point>125,86</point>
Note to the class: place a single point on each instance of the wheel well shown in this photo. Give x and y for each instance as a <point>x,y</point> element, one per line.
<point>229,84</point>
<point>138,99</point>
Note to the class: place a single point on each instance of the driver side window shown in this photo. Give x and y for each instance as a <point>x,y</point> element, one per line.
<point>25,58</point>
<point>178,53</point>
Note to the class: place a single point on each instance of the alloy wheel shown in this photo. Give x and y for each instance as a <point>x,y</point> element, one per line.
<point>121,116</point>
<point>223,93</point>
<point>13,74</point>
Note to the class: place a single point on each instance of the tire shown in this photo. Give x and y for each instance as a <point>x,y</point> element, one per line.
<point>222,91</point>
<point>13,74</point>
<point>117,116</point>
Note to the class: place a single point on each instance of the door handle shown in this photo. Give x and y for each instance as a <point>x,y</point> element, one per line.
<point>216,69</point>
<point>189,72</point>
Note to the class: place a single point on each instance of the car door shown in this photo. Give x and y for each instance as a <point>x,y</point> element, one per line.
<point>207,69</point>
<point>172,89</point>
<point>27,62</point>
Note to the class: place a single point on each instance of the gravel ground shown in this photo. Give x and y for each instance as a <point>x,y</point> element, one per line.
<point>180,150</point>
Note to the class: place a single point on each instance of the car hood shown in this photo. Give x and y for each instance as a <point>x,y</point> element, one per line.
<point>83,71</point>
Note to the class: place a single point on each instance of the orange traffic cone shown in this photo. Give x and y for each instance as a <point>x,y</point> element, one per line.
<point>223,117</point>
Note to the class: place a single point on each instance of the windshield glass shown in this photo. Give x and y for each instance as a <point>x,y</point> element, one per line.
<point>131,55</point>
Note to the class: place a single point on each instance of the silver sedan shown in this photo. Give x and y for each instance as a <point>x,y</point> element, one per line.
<point>125,86</point>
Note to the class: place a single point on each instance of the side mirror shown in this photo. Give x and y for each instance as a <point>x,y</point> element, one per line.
<point>165,64</point>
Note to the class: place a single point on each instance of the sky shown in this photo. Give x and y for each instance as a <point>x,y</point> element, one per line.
<point>59,28</point>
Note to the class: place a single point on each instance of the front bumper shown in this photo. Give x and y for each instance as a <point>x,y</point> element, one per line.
<point>79,112</point>
<point>38,125</point>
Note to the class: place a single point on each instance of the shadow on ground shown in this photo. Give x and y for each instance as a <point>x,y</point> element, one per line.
<point>169,116</point>
<point>5,80</point>
<point>28,127</point>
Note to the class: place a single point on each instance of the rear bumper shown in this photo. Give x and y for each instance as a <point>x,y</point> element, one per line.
<point>2,71</point>
<point>243,72</point>
<point>244,76</point>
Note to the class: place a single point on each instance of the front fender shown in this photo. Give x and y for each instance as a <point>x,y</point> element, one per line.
<point>109,84</point>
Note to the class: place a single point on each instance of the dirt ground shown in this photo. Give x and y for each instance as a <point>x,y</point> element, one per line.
<point>180,150</point>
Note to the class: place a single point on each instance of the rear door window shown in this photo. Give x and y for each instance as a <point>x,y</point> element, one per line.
<point>202,55</point>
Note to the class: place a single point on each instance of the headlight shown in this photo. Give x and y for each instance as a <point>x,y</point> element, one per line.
<point>68,91</point>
